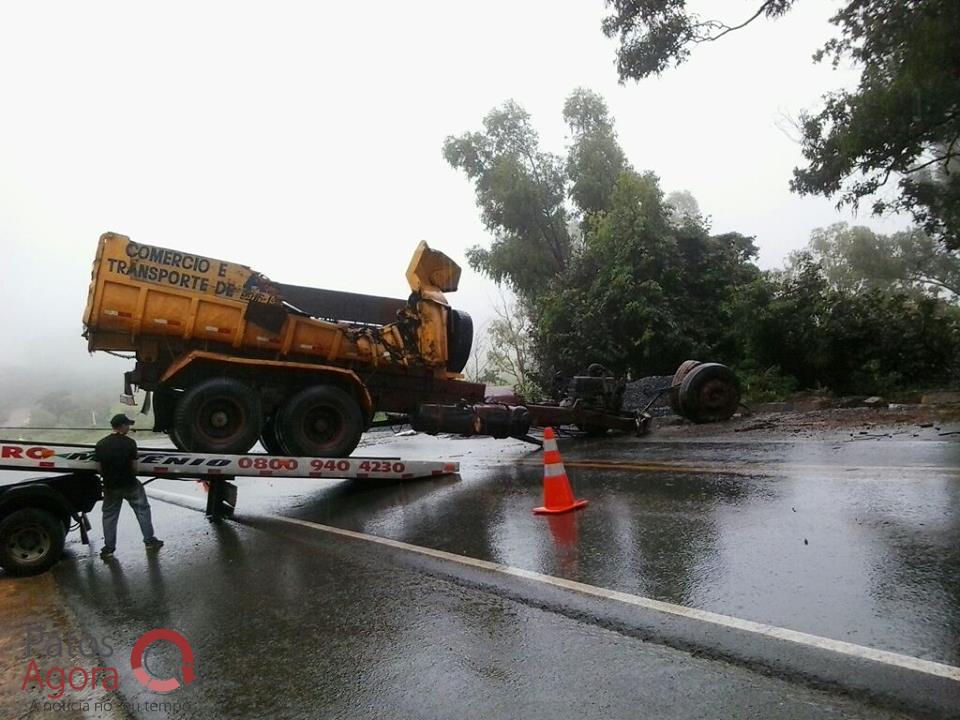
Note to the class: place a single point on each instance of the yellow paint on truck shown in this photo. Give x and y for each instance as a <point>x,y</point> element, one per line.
<point>142,294</point>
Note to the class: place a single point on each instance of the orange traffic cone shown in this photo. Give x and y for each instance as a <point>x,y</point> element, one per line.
<point>557,495</point>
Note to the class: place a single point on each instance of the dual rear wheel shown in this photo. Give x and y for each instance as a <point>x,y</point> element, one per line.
<point>223,415</point>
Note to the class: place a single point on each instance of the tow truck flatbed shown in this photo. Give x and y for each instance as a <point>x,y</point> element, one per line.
<point>215,471</point>
<point>171,463</point>
<point>36,514</point>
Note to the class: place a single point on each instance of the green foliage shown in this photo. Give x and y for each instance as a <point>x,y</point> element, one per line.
<point>857,258</point>
<point>901,123</point>
<point>644,295</point>
<point>521,192</point>
<point>765,385</point>
<point>684,207</point>
<point>853,342</point>
<point>646,285</point>
<point>595,159</point>
<point>903,118</point>
<point>656,34</point>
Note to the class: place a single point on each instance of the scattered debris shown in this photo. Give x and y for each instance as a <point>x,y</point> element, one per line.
<point>941,398</point>
<point>874,401</point>
<point>761,425</point>
<point>637,394</point>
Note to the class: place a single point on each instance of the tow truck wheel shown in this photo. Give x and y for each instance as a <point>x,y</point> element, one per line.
<point>31,541</point>
<point>219,416</point>
<point>321,421</point>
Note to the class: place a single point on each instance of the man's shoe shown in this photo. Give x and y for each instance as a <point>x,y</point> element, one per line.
<point>106,553</point>
<point>153,544</point>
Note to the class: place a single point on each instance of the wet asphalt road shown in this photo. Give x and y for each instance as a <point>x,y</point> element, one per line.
<point>851,541</point>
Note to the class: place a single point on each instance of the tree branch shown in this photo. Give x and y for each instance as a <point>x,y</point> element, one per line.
<point>728,29</point>
<point>548,232</point>
<point>935,160</point>
<point>927,280</point>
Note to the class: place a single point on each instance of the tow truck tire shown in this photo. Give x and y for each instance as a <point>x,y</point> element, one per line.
<point>270,438</point>
<point>320,421</point>
<point>31,541</point>
<point>220,415</point>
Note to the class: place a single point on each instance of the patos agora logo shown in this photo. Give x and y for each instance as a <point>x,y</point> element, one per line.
<point>56,679</point>
<point>162,685</point>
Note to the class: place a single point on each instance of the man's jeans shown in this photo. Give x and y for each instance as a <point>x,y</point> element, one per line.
<point>113,499</point>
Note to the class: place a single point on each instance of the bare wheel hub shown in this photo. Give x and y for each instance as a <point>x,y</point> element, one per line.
<point>30,543</point>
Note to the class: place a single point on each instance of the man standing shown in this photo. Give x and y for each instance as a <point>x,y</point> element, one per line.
<point>116,457</point>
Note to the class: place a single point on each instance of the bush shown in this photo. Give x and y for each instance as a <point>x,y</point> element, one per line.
<point>853,343</point>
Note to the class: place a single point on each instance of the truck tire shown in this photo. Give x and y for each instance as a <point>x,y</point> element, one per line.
<point>31,541</point>
<point>459,339</point>
<point>320,421</point>
<point>710,392</point>
<point>176,440</point>
<point>685,367</point>
<point>218,416</point>
<point>270,438</point>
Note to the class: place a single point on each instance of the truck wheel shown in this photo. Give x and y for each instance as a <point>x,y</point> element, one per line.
<point>685,367</point>
<point>270,439</point>
<point>176,440</point>
<point>31,541</point>
<point>709,393</point>
<point>321,421</point>
<point>219,415</point>
<point>459,339</point>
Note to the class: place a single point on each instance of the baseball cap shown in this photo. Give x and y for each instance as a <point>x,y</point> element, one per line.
<point>120,419</point>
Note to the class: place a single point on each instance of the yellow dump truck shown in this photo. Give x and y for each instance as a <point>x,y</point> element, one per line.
<point>231,357</point>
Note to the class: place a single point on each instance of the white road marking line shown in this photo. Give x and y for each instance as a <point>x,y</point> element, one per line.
<point>196,501</point>
<point>841,647</point>
<point>837,646</point>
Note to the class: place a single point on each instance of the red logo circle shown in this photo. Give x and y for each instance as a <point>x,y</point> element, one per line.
<point>162,685</point>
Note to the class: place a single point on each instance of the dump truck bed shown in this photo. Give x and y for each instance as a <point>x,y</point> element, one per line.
<point>140,292</point>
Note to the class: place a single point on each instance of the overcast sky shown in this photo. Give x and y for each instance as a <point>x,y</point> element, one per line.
<point>304,139</point>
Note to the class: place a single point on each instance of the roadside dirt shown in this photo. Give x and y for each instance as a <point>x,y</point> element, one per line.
<point>907,421</point>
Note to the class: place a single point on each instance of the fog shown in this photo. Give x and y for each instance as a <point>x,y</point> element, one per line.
<point>304,139</point>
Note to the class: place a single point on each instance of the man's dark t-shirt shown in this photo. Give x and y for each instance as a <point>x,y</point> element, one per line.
<point>116,454</point>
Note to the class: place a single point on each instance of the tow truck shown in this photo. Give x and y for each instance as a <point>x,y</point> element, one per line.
<point>37,513</point>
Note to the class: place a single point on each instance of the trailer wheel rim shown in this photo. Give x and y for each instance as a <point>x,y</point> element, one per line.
<point>323,425</point>
<point>30,543</point>
<point>220,420</point>
<point>717,395</point>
